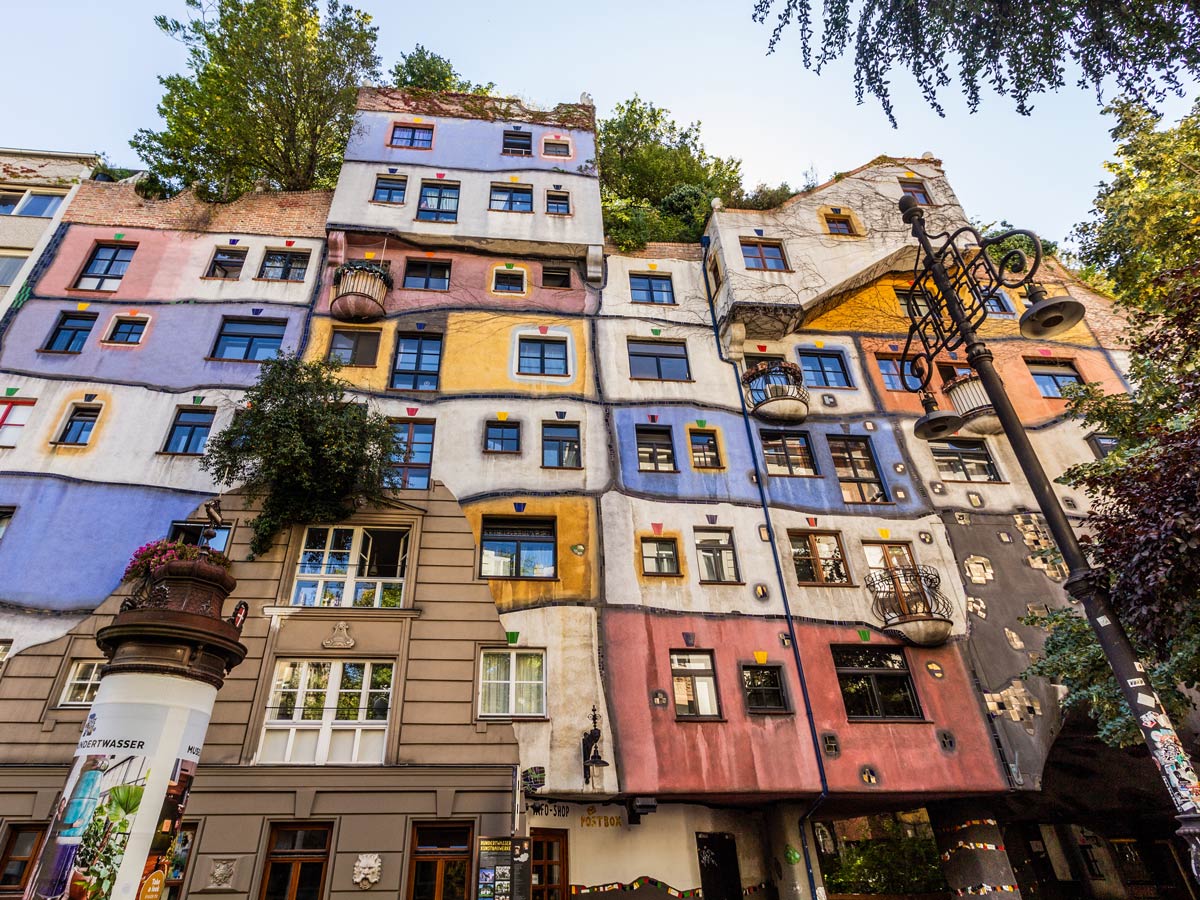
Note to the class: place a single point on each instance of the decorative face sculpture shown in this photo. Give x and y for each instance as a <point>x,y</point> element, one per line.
<point>367,869</point>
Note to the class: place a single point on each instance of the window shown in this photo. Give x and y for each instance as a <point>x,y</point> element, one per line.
<point>70,333</point>
<point>249,339</point>
<point>541,357</point>
<point>297,857</point>
<point>660,556</point>
<point>82,683</point>
<point>517,143</point>
<point>913,303</point>
<point>512,683</point>
<point>412,456</point>
<point>438,203</point>
<point>281,265</point>
<point>1052,377</point>
<point>560,446</point>
<point>426,275</point>
<point>839,225</point>
<point>651,289</point>
<point>418,358</point>
<point>788,453</point>
<point>892,566</point>
<point>714,550</point>
<point>916,190</point>
<point>344,566</point>
<point>949,372</point>
<point>14,415</point>
<point>9,267</point>
<point>1101,444</point>
<point>20,853</point>
<point>558,203</point>
<point>893,380</point>
<point>706,453</point>
<point>192,532</point>
<point>695,684</point>
<point>659,361</point>
<point>764,689</point>
<point>875,683</point>
<point>189,431</point>
<point>556,277</point>
<point>824,369</point>
<point>177,864</point>
<point>518,548</point>
<point>854,464</point>
<point>415,137</point>
<point>963,460</point>
<point>764,255</point>
<point>105,269</point>
<point>78,429</point>
<point>325,711</point>
<point>996,301</point>
<point>555,148</point>
<point>502,437</point>
<point>508,282</point>
<point>6,517</point>
<point>226,264</point>
<point>439,862</point>
<point>127,331</point>
<point>511,198</point>
<point>714,272</point>
<point>354,348</point>
<point>41,205</point>
<point>389,190</point>
<point>9,201</point>
<point>819,557</point>
<point>655,449</point>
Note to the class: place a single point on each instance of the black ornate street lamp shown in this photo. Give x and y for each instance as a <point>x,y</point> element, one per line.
<point>955,280</point>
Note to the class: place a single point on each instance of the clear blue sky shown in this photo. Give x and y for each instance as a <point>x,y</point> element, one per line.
<point>81,75</point>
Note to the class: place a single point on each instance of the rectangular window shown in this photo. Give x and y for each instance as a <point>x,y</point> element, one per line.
<point>824,369</point>
<point>511,198</point>
<point>818,557</point>
<point>560,446</point>
<point>558,203</point>
<point>226,264</point>
<point>415,137</point>
<point>763,686</point>
<point>659,361</point>
<point>83,681</point>
<point>517,548</point>
<point>996,302</point>
<point>556,277</point>
<point>660,556</point>
<point>70,333</point>
<point>541,357</point>
<point>854,463</point>
<point>651,289</point>
<point>9,201</point>
<point>427,275</point>
<point>127,331</point>
<point>913,303</point>
<point>512,683</point>
<point>706,452</point>
<point>249,339</point>
<point>718,561</point>
<point>20,853</point>
<point>41,205</point>
<point>949,372</point>
<point>517,143</point>
<point>412,456</point>
<point>78,429</point>
<point>193,533</point>
<point>345,566</point>
<point>764,255</point>
<point>555,148</point>
<point>297,857</point>
<point>14,415</point>
<point>189,431</point>
<point>9,267</point>
<point>875,683</point>
<point>389,189</point>
<point>916,190</point>
<point>326,711</point>
<point>963,460</point>
<point>839,225</point>
<point>655,449</point>
<point>788,453</point>
<point>508,282</point>
<point>1052,377</point>
<point>418,359</point>
<point>353,347</point>
<point>694,684</point>
<point>502,437</point>
<point>438,203</point>
<point>896,373</point>
<point>177,864</point>
<point>283,265</point>
<point>1101,444</point>
<point>439,862</point>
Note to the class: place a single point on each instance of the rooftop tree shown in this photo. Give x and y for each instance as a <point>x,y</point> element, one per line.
<point>425,70</point>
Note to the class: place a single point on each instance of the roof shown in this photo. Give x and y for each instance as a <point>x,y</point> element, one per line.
<point>291,213</point>
<point>52,154</point>
<point>880,160</point>
<point>660,250</point>
<point>474,106</point>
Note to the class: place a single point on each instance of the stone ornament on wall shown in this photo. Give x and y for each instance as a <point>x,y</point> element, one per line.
<point>367,869</point>
<point>1045,556</point>
<point>1014,639</point>
<point>221,874</point>
<point>340,638</point>
<point>977,606</point>
<point>1016,703</point>
<point>979,569</point>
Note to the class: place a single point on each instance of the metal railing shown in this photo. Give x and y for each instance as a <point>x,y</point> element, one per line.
<point>967,395</point>
<point>909,593</point>
<point>776,382</point>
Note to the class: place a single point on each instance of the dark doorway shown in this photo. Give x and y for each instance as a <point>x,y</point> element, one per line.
<point>720,878</point>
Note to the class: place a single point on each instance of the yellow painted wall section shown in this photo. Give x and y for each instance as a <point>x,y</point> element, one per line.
<point>480,353</point>
<point>372,378</point>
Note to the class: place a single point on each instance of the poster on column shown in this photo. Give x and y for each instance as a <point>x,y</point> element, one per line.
<point>117,821</point>
<point>503,869</point>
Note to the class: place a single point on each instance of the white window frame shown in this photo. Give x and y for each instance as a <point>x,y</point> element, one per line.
<point>18,255</point>
<point>512,683</point>
<point>10,418</point>
<point>327,724</point>
<point>85,672</point>
<point>29,192</point>
<point>326,573</point>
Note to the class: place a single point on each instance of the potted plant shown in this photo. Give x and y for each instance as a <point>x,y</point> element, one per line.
<point>186,577</point>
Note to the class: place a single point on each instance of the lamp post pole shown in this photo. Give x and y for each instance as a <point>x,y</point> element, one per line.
<point>927,337</point>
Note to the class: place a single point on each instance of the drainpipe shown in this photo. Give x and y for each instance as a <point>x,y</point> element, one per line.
<point>705,243</point>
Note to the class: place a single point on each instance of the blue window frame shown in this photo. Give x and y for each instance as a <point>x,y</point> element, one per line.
<point>189,431</point>
<point>502,437</point>
<point>412,456</point>
<point>558,203</point>
<point>418,137</point>
<point>70,333</point>
<point>541,357</point>
<point>78,429</point>
<point>824,369</point>
<point>511,198</point>
<point>418,359</point>
<point>389,190</point>
<point>249,339</point>
<point>127,331</point>
<point>439,202</point>
<point>652,289</point>
<point>106,268</point>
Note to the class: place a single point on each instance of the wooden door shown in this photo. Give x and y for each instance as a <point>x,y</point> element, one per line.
<point>549,866</point>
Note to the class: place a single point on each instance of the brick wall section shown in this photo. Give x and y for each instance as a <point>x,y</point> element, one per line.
<point>663,250</point>
<point>473,106</point>
<point>287,213</point>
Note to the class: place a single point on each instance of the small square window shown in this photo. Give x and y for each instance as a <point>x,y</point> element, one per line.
<point>353,347</point>
<point>415,137</point>
<point>512,683</point>
<point>560,446</point>
<point>389,189</point>
<point>504,282</point>
<point>694,683</point>
<point>511,198</point>
<point>652,289</point>
<point>193,533</point>
<point>718,560</point>
<point>839,225</point>
<point>226,264</point>
<point>517,548</point>
<point>105,268</point>
<point>83,681</point>
<point>127,331</point>
<point>558,203</point>
<point>189,431</point>
<point>9,267</point>
<point>556,277</point>
<point>541,357</point>
<point>517,143</point>
<point>502,437</point>
<point>913,302</point>
<point>249,339</point>
<point>763,686</point>
<point>281,265</point>
<point>427,275</point>
<point>1051,377</point>
<point>916,190</point>
<point>551,147</point>
<point>70,333</point>
<point>660,556</point>
<point>79,425</point>
<point>764,255</point>
<point>706,453</point>
<point>438,203</point>
<point>655,449</point>
<point>997,303</point>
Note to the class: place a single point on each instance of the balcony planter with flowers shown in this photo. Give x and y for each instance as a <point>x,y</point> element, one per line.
<point>359,289</point>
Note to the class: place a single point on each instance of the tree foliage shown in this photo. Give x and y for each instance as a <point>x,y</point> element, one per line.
<point>298,444</point>
<point>268,98</point>
<point>1145,48</point>
<point>1016,242</point>
<point>425,70</point>
<point>895,863</point>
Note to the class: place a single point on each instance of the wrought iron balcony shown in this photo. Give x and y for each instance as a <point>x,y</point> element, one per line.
<point>970,401</point>
<point>776,391</point>
<point>908,601</point>
<point>358,292</point>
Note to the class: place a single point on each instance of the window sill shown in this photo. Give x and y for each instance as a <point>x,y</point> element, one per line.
<point>112,345</point>
<point>501,452</point>
<point>548,287</point>
<point>427,290</point>
<point>230,359</point>
<point>280,280</point>
<point>968,481</point>
<point>732,583</point>
<point>652,303</point>
<point>709,470</point>
<point>66,444</point>
<point>700,719</point>
<point>436,221</point>
<point>775,271</point>
<point>59,352</point>
<point>519,212</point>
<point>218,278</point>
<point>502,719</point>
<point>559,215</point>
<point>662,574</point>
<point>666,380</point>
<point>752,711</point>
<point>829,387</point>
<point>413,390</point>
<point>883,720</point>
<point>869,502</point>
<point>341,612</point>
<point>539,578</point>
<point>820,584</point>
<point>544,375</point>
<point>792,475</point>
<point>659,471</point>
<point>387,203</point>
<point>408,147</point>
<point>79,290</point>
<point>176,455</point>
<point>563,468</point>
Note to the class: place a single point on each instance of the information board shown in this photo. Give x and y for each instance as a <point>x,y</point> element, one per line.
<point>502,869</point>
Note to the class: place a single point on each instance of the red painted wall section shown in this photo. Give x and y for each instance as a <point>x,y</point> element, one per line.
<point>155,273</point>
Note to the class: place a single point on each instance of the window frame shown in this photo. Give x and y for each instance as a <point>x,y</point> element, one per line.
<point>940,450</point>
<point>429,277</point>
<point>78,335</point>
<point>640,348</point>
<point>1100,444</point>
<point>563,444</point>
<point>758,247</point>
<point>542,343</point>
<point>20,263</point>
<point>558,203</point>
<point>252,339</point>
<point>436,213</point>
<point>291,260</point>
<point>420,354</point>
<point>872,674</point>
<point>809,536</point>
<point>79,413</point>
<point>674,556</point>
<point>192,429</point>
<point>7,406</point>
<point>497,533</point>
<point>509,274</point>
<point>915,188</point>
<point>557,270</point>
<point>822,356</point>
<point>413,127</point>
<point>512,653</point>
<point>509,195</point>
<point>560,141</point>
<point>902,373</point>
<point>686,672</point>
<point>526,138</point>
<point>318,567</point>
<point>406,468</point>
<point>785,706</point>
<point>370,337</point>
<point>715,447</point>
<point>180,529</point>
<point>214,265</point>
<point>841,220</point>
<point>503,437</point>
<point>727,546</point>
<point>654,283</point>
<point>27,195</point>
<point>785,435</point>
<point>855,479</point>
<point>655,438</point>
<point>15,831</point>
<point>90,683</point>
<point>118,322</point>
<point>401,180</point>
<point>1062,365</point>
<point>295,858</point>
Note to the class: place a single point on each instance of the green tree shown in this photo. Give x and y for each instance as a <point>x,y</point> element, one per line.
<point>268,98</point>
<point>425,70</point>
<point>892,863</point>
<point>1145,47</point>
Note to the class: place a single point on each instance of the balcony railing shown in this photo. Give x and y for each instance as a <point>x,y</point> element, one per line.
<point>908,601</point>
<point>359,292</point>
<point>776,391</point>
<point>970,401</point>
